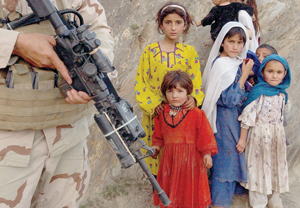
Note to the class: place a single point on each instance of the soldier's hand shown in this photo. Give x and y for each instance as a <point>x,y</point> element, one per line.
<point>77,97</point>
<point>37,50</point>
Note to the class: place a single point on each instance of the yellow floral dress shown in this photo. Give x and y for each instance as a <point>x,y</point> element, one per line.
<point>154,64</point>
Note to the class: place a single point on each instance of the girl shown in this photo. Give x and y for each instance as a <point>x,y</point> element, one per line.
<point>188,143</point>
<point>262,52</point>
<point>266,149</point>
<point>252,3</point>
<point>246,20</point>
<point>265,50</point>
<point>158,58</point>
<point>254,18</point>
<point>224,81</point>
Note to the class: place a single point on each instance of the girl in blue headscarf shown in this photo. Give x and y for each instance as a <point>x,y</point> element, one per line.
<point>262,119</point>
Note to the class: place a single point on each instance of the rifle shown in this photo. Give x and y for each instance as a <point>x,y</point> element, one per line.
<point>77,47</point>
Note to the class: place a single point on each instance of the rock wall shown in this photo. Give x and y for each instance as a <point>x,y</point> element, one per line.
<point>133,22</point>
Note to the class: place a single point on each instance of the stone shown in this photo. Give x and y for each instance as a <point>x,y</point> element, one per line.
<point>134,26</point>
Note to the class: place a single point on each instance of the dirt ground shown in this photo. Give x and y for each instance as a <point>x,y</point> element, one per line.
<point>130,192</point>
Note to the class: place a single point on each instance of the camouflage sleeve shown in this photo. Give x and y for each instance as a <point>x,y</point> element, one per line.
<point>93,13</point>
<point>7,43</point>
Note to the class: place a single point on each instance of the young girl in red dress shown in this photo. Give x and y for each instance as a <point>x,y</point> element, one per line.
<point>188,143</point>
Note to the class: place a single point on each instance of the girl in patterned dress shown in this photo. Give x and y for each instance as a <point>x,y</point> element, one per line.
<point>188,143</point>
<point>262,119</point>
<point>159,58</point>
<point>223,83</point>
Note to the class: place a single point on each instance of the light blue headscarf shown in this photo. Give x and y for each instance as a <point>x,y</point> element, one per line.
<point>263,88</point>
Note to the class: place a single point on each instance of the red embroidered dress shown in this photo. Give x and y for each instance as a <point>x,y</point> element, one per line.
<point>185,138</point>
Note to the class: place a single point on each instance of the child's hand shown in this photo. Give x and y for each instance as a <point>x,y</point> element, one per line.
<point>157,148</point>
<point>189,104</point>
<point>252,81</point>
<point>207,160</point>
<point>241,145</point>
<point>198,23</point>
<point>247,66</point>
<point>159,109</point>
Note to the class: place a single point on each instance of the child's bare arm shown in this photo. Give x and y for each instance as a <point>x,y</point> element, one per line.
<point>190,103</point>
<point>157,148</point>
<point>241,145</point>
<point>159,109</point>
<point>198,23</point>
<point>207,160</point>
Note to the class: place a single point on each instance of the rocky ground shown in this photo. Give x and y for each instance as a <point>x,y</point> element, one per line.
<point>133,22</point>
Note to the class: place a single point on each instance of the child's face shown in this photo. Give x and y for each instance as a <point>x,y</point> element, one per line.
<point>262,53</point>
<point>274,72</point>
<point>250,34</point>
<point>173,26</point>
<point>176,96</point>
<point>232,46</point>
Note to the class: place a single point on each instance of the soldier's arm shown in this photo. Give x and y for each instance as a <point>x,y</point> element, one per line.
<point>94,15</point>
<point>7,43</point>
<point>37,50</point>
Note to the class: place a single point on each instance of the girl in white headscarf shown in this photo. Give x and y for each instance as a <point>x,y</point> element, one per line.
<point>246,20</point>
<point>223,84</point>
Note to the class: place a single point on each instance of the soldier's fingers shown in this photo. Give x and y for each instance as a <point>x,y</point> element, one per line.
<point>60,66</point>
<point>84,96</point>
<point>50,39</point>
<point>75,98</point>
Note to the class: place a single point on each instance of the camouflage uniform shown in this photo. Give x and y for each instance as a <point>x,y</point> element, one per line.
<point>47,167</point>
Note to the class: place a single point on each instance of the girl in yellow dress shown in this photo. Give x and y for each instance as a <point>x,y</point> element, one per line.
<point>159,58</point>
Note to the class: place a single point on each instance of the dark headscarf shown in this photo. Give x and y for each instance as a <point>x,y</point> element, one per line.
<point>263,88</point>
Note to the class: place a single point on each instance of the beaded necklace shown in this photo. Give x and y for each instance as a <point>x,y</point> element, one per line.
<point>175,116</point>
<point>174,110</point>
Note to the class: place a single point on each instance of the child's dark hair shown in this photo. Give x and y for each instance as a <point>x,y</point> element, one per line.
<point>232,32</point>
<point>169,9</point>
<point>270,48</point>
<point>172,78</point>
<point>252,3</point>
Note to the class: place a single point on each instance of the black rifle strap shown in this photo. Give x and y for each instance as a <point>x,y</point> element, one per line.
<point>110,87</point>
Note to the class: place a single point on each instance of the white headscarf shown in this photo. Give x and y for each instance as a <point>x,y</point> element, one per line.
<point>246,20</point>
<point>219,75</point>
